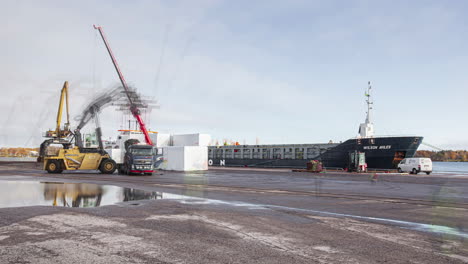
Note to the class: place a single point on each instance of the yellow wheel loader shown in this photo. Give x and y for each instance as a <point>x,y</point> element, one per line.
<point>75,159</point>
<point>67,156</point>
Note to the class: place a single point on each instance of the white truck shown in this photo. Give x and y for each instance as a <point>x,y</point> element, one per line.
<point>415,165</point>
<point>132,157</point>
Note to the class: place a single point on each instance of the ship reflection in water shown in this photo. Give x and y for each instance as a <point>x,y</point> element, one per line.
<point>29,193</point>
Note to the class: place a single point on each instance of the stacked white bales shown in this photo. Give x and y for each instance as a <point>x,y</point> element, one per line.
<point>187,152</point>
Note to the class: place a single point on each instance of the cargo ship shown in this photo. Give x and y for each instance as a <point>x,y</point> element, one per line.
<point>381,152</point>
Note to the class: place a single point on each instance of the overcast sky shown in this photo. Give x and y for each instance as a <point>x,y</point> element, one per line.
<point>280,71</point>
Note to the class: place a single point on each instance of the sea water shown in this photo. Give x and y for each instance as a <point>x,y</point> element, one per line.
<point>450,167</point>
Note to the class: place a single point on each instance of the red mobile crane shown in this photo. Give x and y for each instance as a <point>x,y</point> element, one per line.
<point>133,107</point>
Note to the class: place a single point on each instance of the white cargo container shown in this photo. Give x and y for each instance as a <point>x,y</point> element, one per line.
<point>116,154</point>
<point>191,140</point>
<point>161,140</point>
<point>185,158</point>
<point>195,158</point>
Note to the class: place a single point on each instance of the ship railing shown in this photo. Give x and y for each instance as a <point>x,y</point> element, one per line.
<point>276,145</point>
<point>386,136</point>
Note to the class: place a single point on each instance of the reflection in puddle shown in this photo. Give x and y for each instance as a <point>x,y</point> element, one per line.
<point>29,193</point>
<point>73,195</point>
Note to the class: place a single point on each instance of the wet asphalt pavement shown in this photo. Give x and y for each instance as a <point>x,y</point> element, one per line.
<point>231,215</point>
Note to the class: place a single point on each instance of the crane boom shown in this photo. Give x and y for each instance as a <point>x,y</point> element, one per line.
<point>133,108</point>
<point>63,97</point>
<point>60,133</point>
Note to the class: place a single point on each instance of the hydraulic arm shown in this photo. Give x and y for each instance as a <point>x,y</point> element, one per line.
<point>65,132</point>
<point>63,97</point>
<point>92,112</point>
<point>133,107</point>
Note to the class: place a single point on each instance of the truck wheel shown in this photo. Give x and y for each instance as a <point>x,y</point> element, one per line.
<point>399,170</point>
<point>428,172</point>
<point>414,171</point>
<point>120,169</point>
<point>54,166</point>
<point>107,166</point>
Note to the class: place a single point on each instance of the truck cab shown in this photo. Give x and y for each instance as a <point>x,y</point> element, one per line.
<point>139,159</point>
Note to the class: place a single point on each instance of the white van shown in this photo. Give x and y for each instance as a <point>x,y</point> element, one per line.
<point>415,165</point>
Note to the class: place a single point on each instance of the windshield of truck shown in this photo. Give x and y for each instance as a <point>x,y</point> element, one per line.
<point>141,151</point>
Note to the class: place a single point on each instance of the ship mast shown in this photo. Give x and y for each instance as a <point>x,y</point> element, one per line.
<point>366,129</point>
<point>369,103</point>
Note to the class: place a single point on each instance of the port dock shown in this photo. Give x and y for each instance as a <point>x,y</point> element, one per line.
<point>240,215</point>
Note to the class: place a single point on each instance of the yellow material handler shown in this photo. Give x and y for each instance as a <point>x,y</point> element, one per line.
<point>75,159</point>
<point>71,156</point>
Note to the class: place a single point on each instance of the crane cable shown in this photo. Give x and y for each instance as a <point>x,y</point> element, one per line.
<point>432,146</point>
<point>94,60</point>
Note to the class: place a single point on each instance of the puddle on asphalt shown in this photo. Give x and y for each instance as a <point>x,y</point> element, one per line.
<point>31,193</point>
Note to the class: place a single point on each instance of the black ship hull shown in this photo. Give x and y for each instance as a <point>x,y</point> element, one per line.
<point>381,153</point>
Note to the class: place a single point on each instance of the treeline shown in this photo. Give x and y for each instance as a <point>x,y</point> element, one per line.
<point>444,155</point>
<point>19,152</point>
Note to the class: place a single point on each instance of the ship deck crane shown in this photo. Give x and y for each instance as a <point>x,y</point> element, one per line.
<point>133,107</point>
